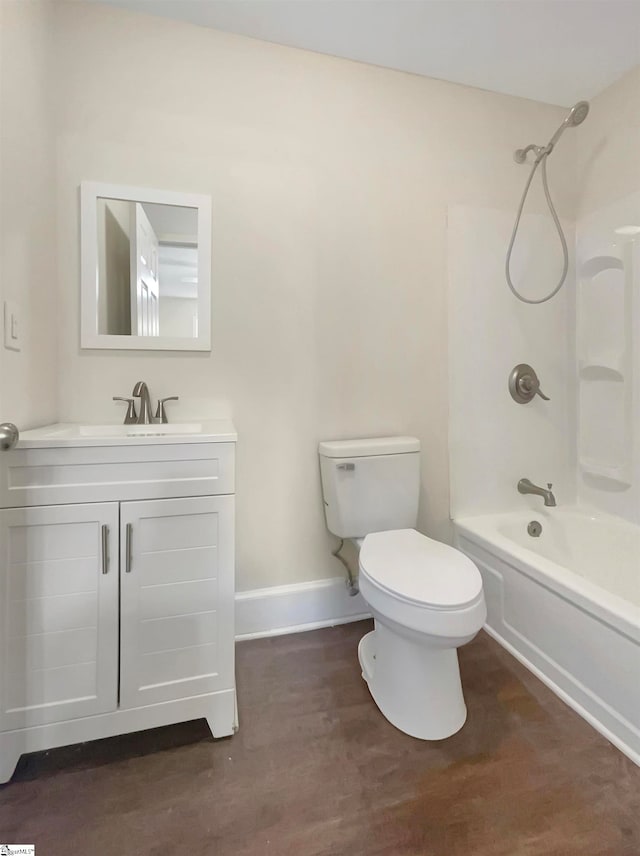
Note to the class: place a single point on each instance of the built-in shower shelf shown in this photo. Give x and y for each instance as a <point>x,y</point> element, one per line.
<point>600,371</point>
<point>617,474</point>
<point>605,367</point>
<point>596,265</point>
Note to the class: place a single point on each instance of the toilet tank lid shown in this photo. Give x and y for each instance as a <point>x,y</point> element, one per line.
<point>369,446</point>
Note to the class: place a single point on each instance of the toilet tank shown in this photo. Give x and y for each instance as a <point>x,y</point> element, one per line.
<point>370,485</point>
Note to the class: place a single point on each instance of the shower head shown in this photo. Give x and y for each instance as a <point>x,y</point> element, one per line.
<point>578,113</point>
<point>575,116</point>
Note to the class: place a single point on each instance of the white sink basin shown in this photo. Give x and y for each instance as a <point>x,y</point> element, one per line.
<point>68,434</point>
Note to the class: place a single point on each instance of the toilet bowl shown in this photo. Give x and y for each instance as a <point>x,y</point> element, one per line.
<point>426,597</point>
<point>427,600</point>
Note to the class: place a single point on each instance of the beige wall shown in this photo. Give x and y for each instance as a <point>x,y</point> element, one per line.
<point>28,384</point>
<point>330,182</point>
<point>608,146</point>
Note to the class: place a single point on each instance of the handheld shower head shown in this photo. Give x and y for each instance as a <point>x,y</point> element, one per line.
<point>575,116</point>
<point>578,113</point>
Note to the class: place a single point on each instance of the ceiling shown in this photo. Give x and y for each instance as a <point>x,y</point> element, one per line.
<point>556,51</point>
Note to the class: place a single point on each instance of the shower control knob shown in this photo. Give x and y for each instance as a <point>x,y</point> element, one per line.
<point>524,384</point>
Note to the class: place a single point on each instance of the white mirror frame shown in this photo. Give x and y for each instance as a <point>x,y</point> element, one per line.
<point>90,192</point>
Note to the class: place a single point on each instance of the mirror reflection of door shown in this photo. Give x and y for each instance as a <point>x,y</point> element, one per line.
<point>147,269</point>
<point>145,311</point>
<point>115,263</point>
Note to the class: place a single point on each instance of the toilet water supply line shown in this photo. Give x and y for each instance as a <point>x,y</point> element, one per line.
<point>352,585</point>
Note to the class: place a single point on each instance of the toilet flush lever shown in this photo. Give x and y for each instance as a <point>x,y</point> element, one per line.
<point>347,467</point>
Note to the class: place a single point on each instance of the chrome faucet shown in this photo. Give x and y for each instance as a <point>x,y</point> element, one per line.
<point>141,391</point>
<point>527,486</point>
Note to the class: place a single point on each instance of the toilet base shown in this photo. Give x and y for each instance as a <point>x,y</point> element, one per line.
<point>417,688</point>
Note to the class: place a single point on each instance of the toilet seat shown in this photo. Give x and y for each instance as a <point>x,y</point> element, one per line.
<point>419,571</point>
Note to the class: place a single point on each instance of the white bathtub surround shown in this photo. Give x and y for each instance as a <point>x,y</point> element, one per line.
<point>608,357</point>
<point>567,604</point>
<point>493,441</point>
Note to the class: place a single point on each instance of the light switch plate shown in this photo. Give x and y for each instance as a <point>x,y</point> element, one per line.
<point>12,326</point>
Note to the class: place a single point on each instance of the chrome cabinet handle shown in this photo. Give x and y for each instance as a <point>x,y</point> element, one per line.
<point>105,548</point>
<point>128,547</point>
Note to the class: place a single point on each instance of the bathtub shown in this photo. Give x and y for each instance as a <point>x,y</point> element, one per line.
<point>567,605</point>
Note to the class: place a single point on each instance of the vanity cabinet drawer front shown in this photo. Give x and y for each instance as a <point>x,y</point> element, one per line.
<point>176,569</point>
<point>111,473</point>
<point>59,604</point>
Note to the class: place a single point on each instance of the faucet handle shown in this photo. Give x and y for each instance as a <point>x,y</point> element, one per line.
<point>131,417</point>
<point>529,385</point>
<point>549,485</point>
<point>161,413</point>
<point>524,384</point>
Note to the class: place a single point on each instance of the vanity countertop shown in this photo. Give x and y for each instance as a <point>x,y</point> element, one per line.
<point>66,434</point>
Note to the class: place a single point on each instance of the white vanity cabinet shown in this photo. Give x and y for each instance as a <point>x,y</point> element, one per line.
<point>116,589</point>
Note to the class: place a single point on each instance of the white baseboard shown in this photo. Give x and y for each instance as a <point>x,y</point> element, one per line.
<point>294,608</point>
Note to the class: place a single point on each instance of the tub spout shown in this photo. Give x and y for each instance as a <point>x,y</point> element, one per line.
<point>527,486</point>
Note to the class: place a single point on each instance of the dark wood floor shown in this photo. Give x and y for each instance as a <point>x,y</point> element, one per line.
<point>315,769</point>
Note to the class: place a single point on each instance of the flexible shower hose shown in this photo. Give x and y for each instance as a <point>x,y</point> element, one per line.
<point>539,160</point>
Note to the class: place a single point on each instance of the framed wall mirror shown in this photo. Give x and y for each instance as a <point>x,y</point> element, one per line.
<point>145,269</point>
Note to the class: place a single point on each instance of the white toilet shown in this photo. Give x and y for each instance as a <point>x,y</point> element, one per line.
<point>426,597</point>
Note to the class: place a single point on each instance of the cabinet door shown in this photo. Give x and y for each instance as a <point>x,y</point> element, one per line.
<point>58,613</point>
<point>177,598</point>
